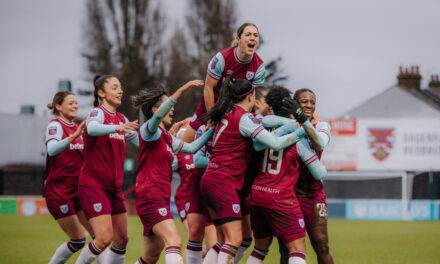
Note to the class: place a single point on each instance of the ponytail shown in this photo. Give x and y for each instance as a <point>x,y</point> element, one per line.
<point>98,82</point>
<point>147,99</point>
<point>232,91</point>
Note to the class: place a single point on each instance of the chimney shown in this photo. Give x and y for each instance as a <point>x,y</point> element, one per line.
<point>409,77</point>
<point>434,84</point>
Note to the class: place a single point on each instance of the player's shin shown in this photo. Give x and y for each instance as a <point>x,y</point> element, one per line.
<point>297,257</point>
<point>227,254</point>
<point>88,254</point>
<point>242,249</point>
<point>257,256</point>
<point>64,251</point>
<point>212,255</point>
<point>194,252</point>
<point>173,255</point>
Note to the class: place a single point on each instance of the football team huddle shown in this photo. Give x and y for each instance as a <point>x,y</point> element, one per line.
<point>248,159</point>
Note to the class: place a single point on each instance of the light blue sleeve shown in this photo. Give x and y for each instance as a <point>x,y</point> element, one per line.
<point>132,136</point>
<point>96,114</point>
<point>54,146</point>
<point>260,75</point>
<point>134,141</point>
<point>175,164</point>
<point>216,66</point>
<point>147,137</point>
<point>319,136</point>
<point>249,125</point>
<point>95,124</point>
<point>54,131</point>
<point>96,129</point>
<point>158,116</point>
<point>193,147</point>
<point>277,143</point>
<point>281,131</point>
<point>309,157</point>
<point>200,160</point>
<point>274,121</point>
<point>324,133</point>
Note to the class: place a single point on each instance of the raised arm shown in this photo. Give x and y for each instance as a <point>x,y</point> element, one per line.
<point>166,106</point>
<point>213,74</point>
<point>158,116</point>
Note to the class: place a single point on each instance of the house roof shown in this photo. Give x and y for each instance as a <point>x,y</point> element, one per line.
<point>399,101</point>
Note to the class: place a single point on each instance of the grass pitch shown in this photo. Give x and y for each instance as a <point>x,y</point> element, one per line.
<point>34,239</point>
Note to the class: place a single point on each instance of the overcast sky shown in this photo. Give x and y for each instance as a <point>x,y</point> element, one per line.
<point>346,51</point>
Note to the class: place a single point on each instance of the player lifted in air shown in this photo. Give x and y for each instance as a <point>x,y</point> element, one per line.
<point>239,62</point>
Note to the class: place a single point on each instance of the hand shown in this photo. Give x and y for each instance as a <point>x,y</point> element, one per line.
<point>187,86</point>
<point>125,128</point>
<point>208,126</point>
<point>315,119</point>
<point>292,107</point>
<point>174,128</point>
<point>79,131</point>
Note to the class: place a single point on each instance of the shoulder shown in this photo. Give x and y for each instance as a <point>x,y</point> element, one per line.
<point>248,117</point>
<point>227,51</point>
<point>256,58</point>
<point>54,125</point>
<point>95,112</point>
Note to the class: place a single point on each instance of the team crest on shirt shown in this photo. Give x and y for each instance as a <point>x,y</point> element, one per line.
<point>236,208</point>
<point>163,211</point>
<point>94,113</point>
<point>182,213</point>
<point>187,206</point>
<point>52,131</point>
<point>214,62</point>
<point>301,223</point>
<point>97,207</point>
<point>254,119</point>
<point>250,75</point>
<point>229,72</point>
<point>64,209</point>
<point>380,142</point>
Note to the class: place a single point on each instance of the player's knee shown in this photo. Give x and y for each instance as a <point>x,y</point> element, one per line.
<point>122,241</point>
<point>76,244</point>
<point>152,258</point>
<point>104,240</point>
<point>195,233</point>
<point>235,241</point>
<point>322,246</point>
<point>174,241</point>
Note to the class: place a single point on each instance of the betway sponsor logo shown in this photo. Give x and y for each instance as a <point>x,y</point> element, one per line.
<point>117,136</point>
<point>76,146</point>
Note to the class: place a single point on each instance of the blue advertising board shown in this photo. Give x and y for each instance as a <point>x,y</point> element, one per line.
<point>391,210</point>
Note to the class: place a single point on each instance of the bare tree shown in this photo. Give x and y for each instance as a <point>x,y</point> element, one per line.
<point>211,24</point>
<point>179,72</point>
<point>124,38</point>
